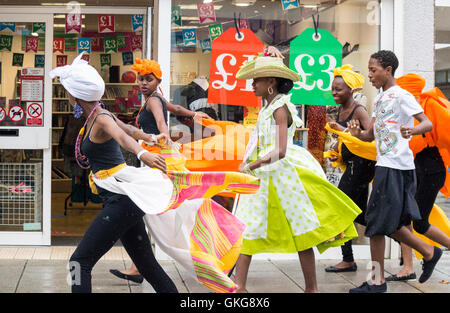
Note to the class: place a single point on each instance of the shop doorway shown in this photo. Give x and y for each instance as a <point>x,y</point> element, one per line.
<point>64,205</point>
<point>25,123</point>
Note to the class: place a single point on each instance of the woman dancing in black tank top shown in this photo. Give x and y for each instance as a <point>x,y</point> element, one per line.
<point>120,217</point>
<point>359,172</point>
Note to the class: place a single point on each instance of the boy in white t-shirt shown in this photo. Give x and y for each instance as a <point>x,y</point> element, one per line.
<point>392,203</point>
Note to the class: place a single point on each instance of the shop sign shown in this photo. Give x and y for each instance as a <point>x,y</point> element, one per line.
<point>136,42</point>
<point>137,22</point>
<point>17,59</point>
<point>206,12</point>
<point>205,44</point>
<point>105,59</point>
<point>73,23</point>
<point>16,114</point>
<point>289,4</point>
<point>39,27</point>
<point>84,45</point>
<point>31,43</point>
<point>215,31</point>
<point>6,42</point>
<point>34,113</point>
<point>189,37</point>
<point>61,60</point>
<point>127,58</point>
<point>32,84</point>
<point>229,52</point>
<point>2,114</point>
<point>58,45</point>
<point>106,23</point>
<point>97,44</point>
<point>39,60</point>
<point>250,116</point>
<point>11,26</point>
<point>176,16</point>
<point>314,58</point>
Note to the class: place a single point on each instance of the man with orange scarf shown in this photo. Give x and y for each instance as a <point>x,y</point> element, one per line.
<point>432,160</point>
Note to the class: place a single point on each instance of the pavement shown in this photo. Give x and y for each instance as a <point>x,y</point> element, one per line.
<point>265,276</point>
<point>44,270</point>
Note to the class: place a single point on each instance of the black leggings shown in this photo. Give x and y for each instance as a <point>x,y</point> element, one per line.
<point>355,184</point>
<point>119,219</point>
<point>428,187</point>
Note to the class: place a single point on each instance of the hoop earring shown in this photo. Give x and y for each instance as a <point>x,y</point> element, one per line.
<point>270,90</point>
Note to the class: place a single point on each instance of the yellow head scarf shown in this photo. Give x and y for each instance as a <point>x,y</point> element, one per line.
<point>144,67</point>
<point>354,80</point>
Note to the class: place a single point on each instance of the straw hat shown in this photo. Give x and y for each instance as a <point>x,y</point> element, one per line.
<point>266,66</point>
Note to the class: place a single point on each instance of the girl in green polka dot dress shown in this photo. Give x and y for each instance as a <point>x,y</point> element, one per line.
<point>296,208</point>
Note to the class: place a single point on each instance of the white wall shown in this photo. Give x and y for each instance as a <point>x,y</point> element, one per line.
<point>414,38</point>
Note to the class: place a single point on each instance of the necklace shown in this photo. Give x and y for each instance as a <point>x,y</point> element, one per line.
<point>81,159</point>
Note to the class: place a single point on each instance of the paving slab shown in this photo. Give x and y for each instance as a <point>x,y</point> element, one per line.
<point>171,270</point>
<point>265,276</point>
<point>10,273</point>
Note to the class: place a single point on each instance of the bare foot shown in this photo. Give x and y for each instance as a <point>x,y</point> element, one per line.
<point>405,272</point>
<point>130,271</point>
<point>240,290</point>
<point>344,264</point>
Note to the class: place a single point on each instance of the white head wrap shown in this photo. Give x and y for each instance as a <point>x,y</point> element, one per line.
<point>80,79</point>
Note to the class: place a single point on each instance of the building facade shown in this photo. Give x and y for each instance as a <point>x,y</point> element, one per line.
<point>36,166</point>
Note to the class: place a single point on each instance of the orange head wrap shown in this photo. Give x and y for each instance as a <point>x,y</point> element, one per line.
<point>145,66</point>
<point>412,82</point>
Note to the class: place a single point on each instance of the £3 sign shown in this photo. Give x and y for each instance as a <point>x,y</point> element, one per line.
<point>228,54</point>
<point>314,59</point>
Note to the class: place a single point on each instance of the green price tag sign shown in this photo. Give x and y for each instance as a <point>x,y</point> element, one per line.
<point>17,59</point>
<point>39,27</point>
<point>314,58</point>
<point>105,59</point>
<point>215,31</point>
<point>110,44</point>
<point>6,42</point>
<point>176,16</point>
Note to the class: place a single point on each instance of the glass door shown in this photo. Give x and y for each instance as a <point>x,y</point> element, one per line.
<point>25,124</point>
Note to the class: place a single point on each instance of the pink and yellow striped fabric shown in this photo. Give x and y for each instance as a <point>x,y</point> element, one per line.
<point>216,237</point>
<point>216,241</point>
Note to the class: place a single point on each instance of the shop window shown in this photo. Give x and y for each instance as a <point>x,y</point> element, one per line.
<point>441,77</point>
<point>112,44</point>
<point>354,23</point>
<point>442,46</point>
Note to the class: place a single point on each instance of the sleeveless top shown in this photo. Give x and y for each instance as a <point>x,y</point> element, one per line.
<point>146,120</point>
<point>346,154</point>
<point>102,156</point>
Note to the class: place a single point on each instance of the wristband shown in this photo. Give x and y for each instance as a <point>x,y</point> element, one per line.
<point>140,153</point>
